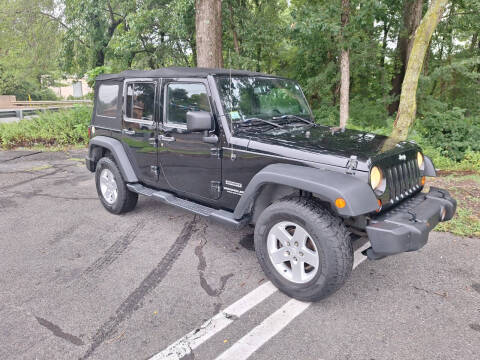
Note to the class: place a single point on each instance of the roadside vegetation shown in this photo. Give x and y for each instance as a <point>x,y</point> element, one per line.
<point>68,127</point>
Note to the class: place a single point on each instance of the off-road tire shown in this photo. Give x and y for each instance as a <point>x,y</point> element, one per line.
<point>329,235</point>
<point>126,200</point>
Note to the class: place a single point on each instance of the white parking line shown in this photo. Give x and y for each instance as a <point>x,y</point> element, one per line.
<point>192,340</point>
<point>273,324</point>
<point>258,336</point>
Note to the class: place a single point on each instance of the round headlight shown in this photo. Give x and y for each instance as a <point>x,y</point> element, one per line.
<point>376,177</point>
<point>420,160</point>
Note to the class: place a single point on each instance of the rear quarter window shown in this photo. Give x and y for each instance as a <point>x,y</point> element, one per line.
<point>107,100</point>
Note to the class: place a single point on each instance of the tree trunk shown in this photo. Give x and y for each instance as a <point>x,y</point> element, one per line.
<point>408,103</point>
<point>208,25</point>
<point>412,15</point>
<point>236,44</point>
<point>344,70</point>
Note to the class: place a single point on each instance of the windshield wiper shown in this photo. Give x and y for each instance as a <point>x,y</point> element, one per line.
<point>257,120</point>
<point>291,116</point>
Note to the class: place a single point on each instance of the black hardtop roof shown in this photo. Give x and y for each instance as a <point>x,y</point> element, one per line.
<point>176,72</point>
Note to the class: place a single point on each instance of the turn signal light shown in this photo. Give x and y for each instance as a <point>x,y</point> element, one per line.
<point>422,181</point>
<point>340,203</point>
<point>379,205</point>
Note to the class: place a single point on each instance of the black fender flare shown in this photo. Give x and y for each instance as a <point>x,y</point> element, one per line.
<point>429,167</point>
<point>116,149</point>
<point>325,184</point>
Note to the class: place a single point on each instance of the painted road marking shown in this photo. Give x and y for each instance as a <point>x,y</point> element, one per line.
<point>194,339</point>
<point>272,325</point>
<point>255,338</point>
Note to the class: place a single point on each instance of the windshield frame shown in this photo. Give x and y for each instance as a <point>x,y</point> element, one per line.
<point>224,112</point>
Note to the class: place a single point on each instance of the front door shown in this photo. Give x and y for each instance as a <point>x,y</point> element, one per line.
<point>140,127</point>
<point>191,164</point>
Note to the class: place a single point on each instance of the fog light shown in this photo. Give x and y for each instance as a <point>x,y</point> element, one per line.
<point>340,203</point>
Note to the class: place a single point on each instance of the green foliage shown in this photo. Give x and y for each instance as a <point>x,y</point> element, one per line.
<point>24,89</point>
<point>93,73</point>
<point>29,48</point>
<point>451,132</point>
<point>63,127</point>
<point>463,224</point>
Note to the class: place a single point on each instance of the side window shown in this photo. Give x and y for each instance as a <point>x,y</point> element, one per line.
<point>107,99</point>
<point>140,101</point>
<point>183,97</point>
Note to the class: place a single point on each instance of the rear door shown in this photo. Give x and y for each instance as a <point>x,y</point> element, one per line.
<point>140,118</point>
<point>190,161</point>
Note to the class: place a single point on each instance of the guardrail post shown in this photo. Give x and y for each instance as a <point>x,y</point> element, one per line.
<point>19,114</point>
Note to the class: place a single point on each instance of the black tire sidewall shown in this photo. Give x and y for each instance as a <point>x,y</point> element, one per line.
<point>320,286</point>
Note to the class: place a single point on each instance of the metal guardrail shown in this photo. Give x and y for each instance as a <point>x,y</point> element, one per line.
<point>21,113</point>
<point>50,103</point>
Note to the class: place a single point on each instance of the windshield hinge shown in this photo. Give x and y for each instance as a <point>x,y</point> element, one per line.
<point>352,165</point>
<point>216,188</point>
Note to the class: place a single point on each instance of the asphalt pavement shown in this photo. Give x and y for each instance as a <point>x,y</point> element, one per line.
<point>80,283</point>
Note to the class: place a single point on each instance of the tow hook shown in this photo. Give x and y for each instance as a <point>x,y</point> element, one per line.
<point>372,255</point>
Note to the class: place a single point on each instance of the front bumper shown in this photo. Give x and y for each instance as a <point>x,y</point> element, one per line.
<point>406,226</point>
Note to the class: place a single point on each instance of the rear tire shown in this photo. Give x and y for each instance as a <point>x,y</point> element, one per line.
<point>112,189</point>
<point>303,248</point>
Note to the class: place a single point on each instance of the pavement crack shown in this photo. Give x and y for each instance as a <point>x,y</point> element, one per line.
<point>57,331</point>
<point>444,294</point>
<point>201,267</point>
<point>22,156</point>
<point>115,250</point>
<point>56,170</point>
<point>135,300</point>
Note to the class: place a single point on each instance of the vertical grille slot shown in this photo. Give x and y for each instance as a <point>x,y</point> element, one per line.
<point>402,179</point>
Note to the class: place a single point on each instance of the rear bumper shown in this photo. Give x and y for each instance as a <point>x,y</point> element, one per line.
<point>406,227</point>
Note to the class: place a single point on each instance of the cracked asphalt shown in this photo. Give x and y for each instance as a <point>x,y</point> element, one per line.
<point>80,283</point>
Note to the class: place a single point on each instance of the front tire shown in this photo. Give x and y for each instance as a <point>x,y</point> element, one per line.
<point>112,189</point>
<point>303,248</point>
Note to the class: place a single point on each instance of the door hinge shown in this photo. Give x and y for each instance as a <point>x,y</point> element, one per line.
<point>155,169</point>
<point>352,164</point>
<point>215,188</point>
<point>153,142</point>
<point>217,152</point>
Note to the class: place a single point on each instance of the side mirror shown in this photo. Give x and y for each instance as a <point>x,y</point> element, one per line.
<point>199,121</point>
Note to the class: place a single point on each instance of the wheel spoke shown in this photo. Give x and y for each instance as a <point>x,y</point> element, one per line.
<point>310,257</point>
<point>297,271</point>
<point>282,235</point>
<point>300,236</point>
<point>279,256</point>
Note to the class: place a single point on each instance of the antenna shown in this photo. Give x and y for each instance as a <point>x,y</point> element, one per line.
<point>232,156</point>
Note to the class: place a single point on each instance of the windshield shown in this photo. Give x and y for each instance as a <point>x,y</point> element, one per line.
<point>246,98</point>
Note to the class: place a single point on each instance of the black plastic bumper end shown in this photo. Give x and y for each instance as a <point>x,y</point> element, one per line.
<point>407,226</point>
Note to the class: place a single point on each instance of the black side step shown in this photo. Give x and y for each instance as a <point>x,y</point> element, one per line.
<point>223,216</point>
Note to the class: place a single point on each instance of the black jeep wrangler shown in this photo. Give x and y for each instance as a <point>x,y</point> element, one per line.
<point>243,148</point>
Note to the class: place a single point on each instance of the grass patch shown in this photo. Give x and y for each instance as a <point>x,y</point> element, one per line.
<point>464,186</point>
<point>50,129</point>
<point>464,223</point>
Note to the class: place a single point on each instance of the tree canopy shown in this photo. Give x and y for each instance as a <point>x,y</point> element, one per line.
<point>300,39</point>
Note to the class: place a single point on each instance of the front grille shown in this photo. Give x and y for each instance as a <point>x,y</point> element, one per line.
<point>402,179</point>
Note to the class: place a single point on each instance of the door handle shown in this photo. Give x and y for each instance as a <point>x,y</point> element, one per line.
<point>128,132</point>
<point>166,138</point>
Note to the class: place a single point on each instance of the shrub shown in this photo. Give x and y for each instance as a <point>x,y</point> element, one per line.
<point>63,127</point>
<point>450,132</point>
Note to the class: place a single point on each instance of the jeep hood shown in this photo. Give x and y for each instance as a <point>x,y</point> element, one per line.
<point>322,144</point>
